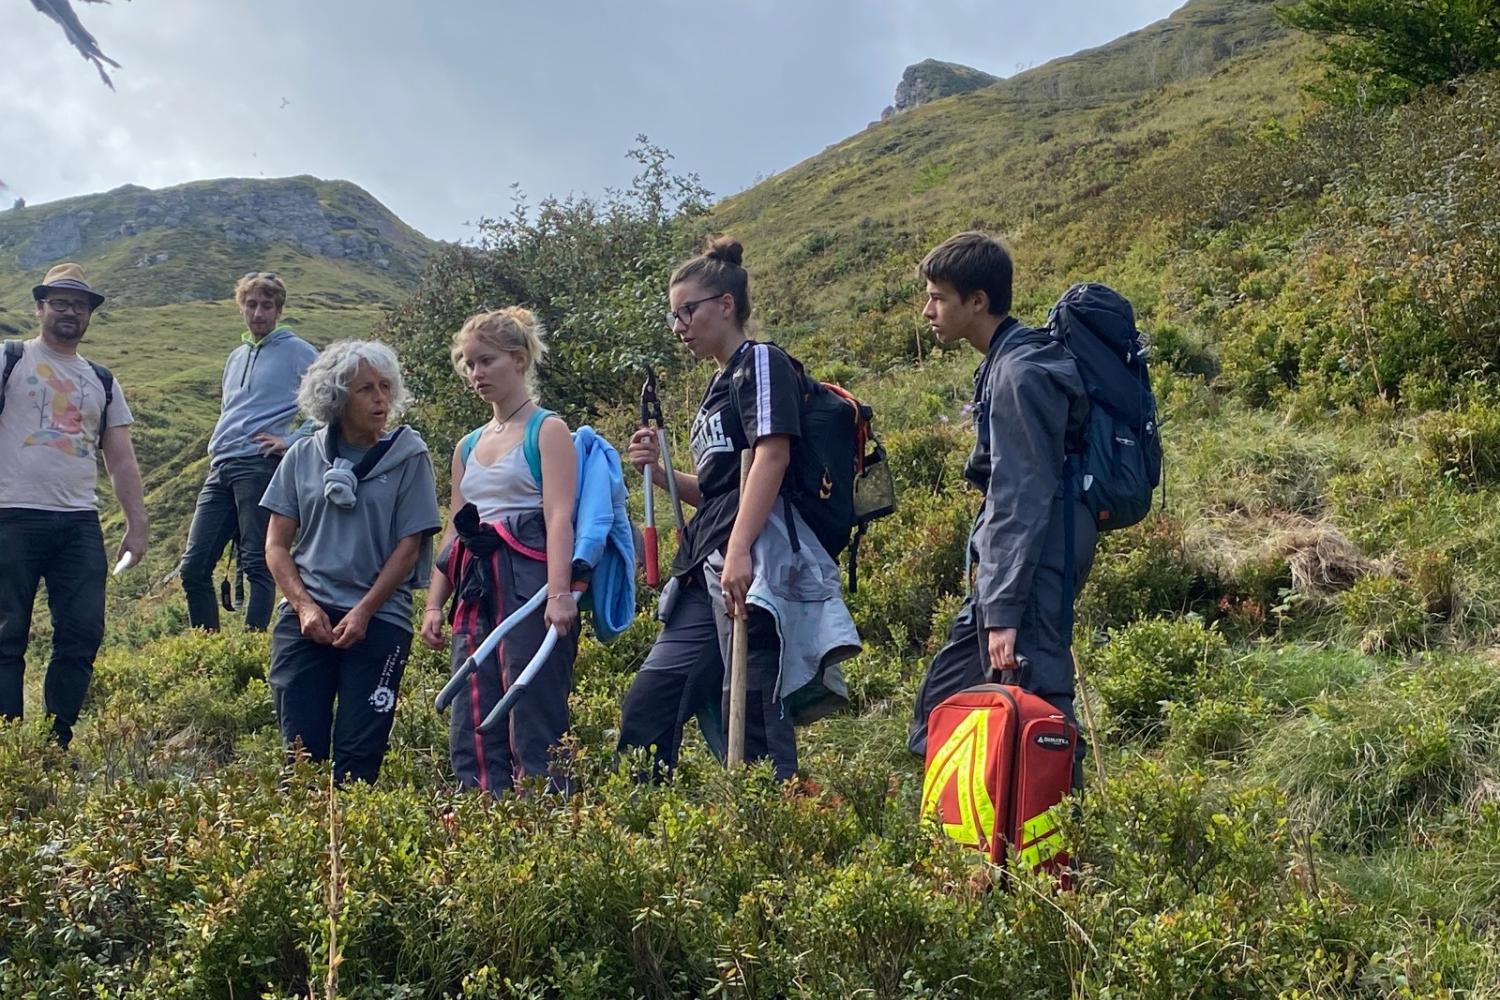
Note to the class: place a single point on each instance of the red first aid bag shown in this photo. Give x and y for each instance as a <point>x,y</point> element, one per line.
<point>999,759</point>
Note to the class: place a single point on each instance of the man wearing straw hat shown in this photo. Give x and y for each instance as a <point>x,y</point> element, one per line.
<point>58,412</point>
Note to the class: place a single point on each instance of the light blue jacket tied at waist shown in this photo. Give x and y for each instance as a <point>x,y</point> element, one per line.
<point>260,394</point>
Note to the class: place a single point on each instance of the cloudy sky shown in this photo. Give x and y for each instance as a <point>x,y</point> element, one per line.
<point>438,107</point>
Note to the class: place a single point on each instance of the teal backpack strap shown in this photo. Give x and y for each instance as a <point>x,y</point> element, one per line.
<point>532,443</point>
<point>466,446</point>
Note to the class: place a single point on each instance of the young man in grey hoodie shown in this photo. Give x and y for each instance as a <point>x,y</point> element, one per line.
<point>1029,409</point>
<point>253,432</point>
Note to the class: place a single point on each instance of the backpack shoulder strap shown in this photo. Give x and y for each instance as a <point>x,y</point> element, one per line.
<point>532,443</point>
<point>13,349</point>
<point>466,445</point>
<point>107,380</point>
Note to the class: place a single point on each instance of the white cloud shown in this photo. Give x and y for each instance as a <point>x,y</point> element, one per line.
<point>437,109</point>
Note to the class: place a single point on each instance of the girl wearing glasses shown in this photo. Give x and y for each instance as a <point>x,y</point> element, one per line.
<point>738,555</point>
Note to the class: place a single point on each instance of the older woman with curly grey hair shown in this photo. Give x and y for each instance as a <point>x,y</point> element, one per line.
<point>361,504</point>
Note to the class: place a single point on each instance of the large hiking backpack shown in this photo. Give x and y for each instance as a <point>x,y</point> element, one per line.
<point>839,477</point>
<point>13,351</point>
<point>1121,458</point>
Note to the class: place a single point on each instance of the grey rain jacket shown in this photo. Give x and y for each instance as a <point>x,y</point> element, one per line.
<point>1030,408</point>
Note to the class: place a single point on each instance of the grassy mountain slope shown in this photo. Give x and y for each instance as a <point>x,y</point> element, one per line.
<point>1052,158</point>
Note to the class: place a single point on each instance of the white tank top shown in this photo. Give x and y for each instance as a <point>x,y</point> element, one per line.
<point>506,487</point>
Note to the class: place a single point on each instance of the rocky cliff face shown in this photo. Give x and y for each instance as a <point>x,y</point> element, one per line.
<point>217,224</point>
<point>1192,42</point>
<point>930,80</point>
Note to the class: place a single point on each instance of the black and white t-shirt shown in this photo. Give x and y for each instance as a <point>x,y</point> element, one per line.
<point>758,394</point>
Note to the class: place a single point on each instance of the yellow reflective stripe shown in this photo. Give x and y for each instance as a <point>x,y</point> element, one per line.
<point>962,759</point>
<point>1042,838</point>
<point>1038,826</point>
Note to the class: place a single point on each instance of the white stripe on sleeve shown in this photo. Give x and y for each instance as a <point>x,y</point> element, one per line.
<point>762,391</point>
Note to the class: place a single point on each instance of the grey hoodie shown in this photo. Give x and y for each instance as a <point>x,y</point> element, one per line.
<point>260,394</point>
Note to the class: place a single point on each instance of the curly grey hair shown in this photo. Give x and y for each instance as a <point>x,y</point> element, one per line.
<point>324,391</point>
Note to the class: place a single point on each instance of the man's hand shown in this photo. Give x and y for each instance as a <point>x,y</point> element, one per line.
<point>269,444</point>
<point>134,542</point>
<point>351,628</point>
<point>1002,644</point>
<point>314,623</point>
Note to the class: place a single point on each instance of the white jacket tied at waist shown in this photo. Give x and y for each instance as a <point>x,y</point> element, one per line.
<point>800,590</point>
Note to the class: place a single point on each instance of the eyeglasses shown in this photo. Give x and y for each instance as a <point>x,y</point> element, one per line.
<point>68,305</point>
<point>684,312</point>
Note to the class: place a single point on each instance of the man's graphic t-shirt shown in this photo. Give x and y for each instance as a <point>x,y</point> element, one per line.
<point>49,431</point>
<point>758,394</point>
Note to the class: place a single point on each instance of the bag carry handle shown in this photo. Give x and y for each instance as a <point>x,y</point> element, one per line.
<point>1018,677</point>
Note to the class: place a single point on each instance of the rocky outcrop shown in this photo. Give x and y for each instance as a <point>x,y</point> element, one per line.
<point>185,243</point>
<point>930,80</point>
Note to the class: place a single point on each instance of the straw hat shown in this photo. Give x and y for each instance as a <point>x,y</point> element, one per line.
<point>67,277</point>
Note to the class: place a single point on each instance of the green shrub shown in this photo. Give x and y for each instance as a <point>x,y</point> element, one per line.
<point>1464,444</point>
<point>1383,613</point>
<point>1142,571</point>
<point>1384,50</point>
<point>1152,662</point>
<point>30,768</point>
<point>201,690</point>
<point>1215,726</point>
<point>908,562</point>
<point>1290,676</point>
<point>927,459</point>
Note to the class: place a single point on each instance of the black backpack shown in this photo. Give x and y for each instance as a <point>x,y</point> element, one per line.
<point>1120,466</point>
<point>839,479</point>
<point>13,351</point>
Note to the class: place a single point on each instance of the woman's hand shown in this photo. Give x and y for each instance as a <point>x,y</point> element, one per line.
<point>432,628</point>
<point>735,578</point>
<point>351,628</point>
<point>314,622</point>
<point>644,451</point>
<point>562,612</point>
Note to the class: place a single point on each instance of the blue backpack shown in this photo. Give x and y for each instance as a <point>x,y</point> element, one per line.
<point>530,444</point>
<point>1120,465</point>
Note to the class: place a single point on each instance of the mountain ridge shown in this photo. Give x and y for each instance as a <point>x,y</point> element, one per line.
<point>186,242</point>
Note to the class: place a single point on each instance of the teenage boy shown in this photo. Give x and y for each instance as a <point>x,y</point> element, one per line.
<point>254,431</point>
<point>1029,412</point>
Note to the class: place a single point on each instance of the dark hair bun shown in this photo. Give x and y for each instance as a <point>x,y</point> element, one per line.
<point>726,249</point>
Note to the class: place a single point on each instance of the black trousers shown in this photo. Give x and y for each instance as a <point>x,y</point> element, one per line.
<point>229,507</point>
<point>683,677</point>
<point>341,701</point>
<point>65,549</point>
<point>1044,636</point>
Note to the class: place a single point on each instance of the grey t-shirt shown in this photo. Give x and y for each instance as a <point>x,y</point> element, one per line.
<point>49,431</point>
<point>339,552</point>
